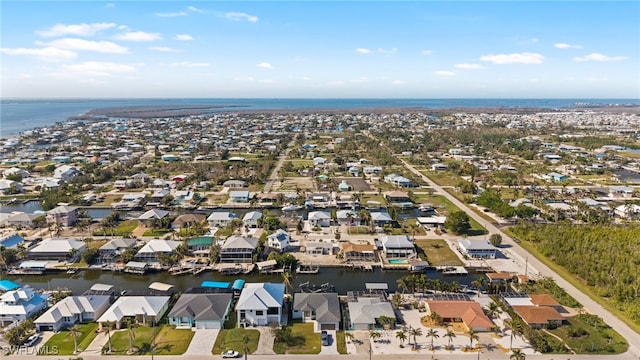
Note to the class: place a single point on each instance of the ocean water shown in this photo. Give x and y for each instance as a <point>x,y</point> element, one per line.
<point>21,115</point>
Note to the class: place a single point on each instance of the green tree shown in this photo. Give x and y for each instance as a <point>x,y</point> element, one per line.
<point>473,335</point>
<point>106,328</point>
<point>495,240</point>
<point>402,336</point>
<point>75,331</point>
<point>89,255</point>
<point>458,222</point>
<point>433,334</point>
<point>450,335</point>
<point>517,354</point>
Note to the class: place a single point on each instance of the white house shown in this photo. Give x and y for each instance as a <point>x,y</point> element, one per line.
<point>477,248</point>
<point>251,219</point>
<point>260,304</point>
<point>279,240</point>
<point>151,250</point>
<point>21,304</point>
<point>319,218</point>
<point>220,219</point>
<point>66,172</point>
<point>72,310</point>
<point>141,309</point>
<point>398,246</point>
<point>56,249</point>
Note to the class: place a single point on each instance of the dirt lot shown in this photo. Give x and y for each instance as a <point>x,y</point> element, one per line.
<point>292,184</point>
<point>357,184</point>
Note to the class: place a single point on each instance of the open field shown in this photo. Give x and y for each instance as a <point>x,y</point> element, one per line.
<point>438,252</point>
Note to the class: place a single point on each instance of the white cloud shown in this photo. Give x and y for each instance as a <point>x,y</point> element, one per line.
<point>172,14</point>
<point>87,45</point>
<point>184,37</point>
<point>597,79</point>
<point>110,5</point>
<point>244,79</point>
<point>363,51</point>
<point>517,58</point>
<point>164,49</point>
<point>361,79</point>
<point>97,68</point>
<point>426,52</point>
<point>47,53</point>
<point>600,57</point>
<point>238,16</point>
<point>190,64</point>
<point>75,29</point>
<point>138,36</point>
<point>387,52</point>
<point>306,78</point>
<point>468,66</point>
<point>26,76</point>
<point>265,65</point>
<point>566,46</point>
<point>195,9</point>
<point>535,40</point>
<point>267,81</point>
<point>300,59</point>
<point>445,73</point>
<point>398,82</point>
<point>534,80</point>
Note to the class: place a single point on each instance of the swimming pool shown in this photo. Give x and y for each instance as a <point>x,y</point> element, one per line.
<point>398,261</point>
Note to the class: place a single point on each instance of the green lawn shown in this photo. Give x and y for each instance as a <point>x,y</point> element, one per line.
<point>341,342</point>
<point>64,340</point>
<point>311,345</point>
<point>598,338</point>
<point>438,252</point>
<point>168,340</point>
<point>231,339</point>
<point>443,178</point>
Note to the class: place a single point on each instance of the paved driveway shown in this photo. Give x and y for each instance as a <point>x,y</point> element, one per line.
<point>332,349</point>
<point>202,342</point>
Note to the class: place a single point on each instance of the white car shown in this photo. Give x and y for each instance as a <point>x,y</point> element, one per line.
<point>31,340</point>
<point>230,354</point>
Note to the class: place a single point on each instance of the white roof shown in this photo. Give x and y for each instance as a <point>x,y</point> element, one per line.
<point>396,241</point>
<point>432,220</point>
<point>57,245</point>
<point>252,215</point>
<point>261,296</point>
<point>71,306</point>
<point>220,215</point>
<point>155,246</point>
<point>319,215</point>
<point>134,305</point>
<point>153,214</point>
<point>476,244</point>
<point>240,242</point>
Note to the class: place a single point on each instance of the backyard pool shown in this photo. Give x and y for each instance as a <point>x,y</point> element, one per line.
<point>398,261</point>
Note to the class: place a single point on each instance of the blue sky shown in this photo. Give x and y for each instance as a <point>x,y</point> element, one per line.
<point>336,49</point>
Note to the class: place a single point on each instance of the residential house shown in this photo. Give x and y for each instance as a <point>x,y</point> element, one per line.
<point>620,192</point>
<point>627,211</point>
<point>235,184</point>
<point>139,309</point>
<point>66,172</point>
<point>539,316</point>
<point>22,220</point>
<point>238,249</point>
<point>468,312</point>
<point>111,251</point>
<point>372,170</point>
<point>20,304</point>
<point>347,217</point>
<point>15,171</point>
<point>201,310</point>
<point>279,240</point>
<point>260,304</point>
<point>239,196</point>
<point>555,177</point>
<point>200,246</point>
<point>64,215</point>
<point>220,219</point>
<point>626,176</point>
<point>10,187</point>
<point>56,249</point>
<point>381,218</point>
<point>72,310</point>
<point>319,219</point>
<point>323,309</point>
<point>154,249</point>
<point>431,221</point>
<point>398,180</point>
<point>477,249</point>
<point>186,220</point>
<point>252,219</point>
<point>153,217</point>
<point>365,312</point>
<point>318,248</point>
<point>358,252</point>
<point>439,167</point>
<point>398,246</point>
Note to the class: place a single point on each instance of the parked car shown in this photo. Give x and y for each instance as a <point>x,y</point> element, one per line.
<point>325,338</point>
<point>230,354</point>
<point>31,340</point>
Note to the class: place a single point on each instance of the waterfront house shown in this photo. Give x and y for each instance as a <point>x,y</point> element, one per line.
<point>381,218</point>
<point>239,196</point>
<point>72,310</point>
<point>431,221</point>
<point>358,252</point>
<point>397,246</point>
<point>279,240</point>
<point>220,219</point>
<point>347,217</point>
<point>477,249</point>
<point>111,251</point>
<point>238,249</point>
<point>252,219</point>
<point>22,220</point>
<point>322,309</point>
<point>201,310</point>
<point>152,250</point>
<point>186,220</point>
<point>260,304</point>
<point>66,172</point>
<point>626,176</point>
<point>319,219</point>
<point>13,171</point>
<point>153,217</point>
<point>20,304</point>
<point>318,248</point>
<point>200,246</point>
<point>10,187</point>
<point>64,215</point>
<point>139,309</point>
<point>620,192</point>
<point>470,313</point>
<point>366,310</point>
<point>57,249</point>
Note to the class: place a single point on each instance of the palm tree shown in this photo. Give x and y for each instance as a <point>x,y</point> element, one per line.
<point>473,335</point>
<point>415,332</point>
<point>494,310</point>
<point>106,328</point>
<point>402,336</point>
<point>245,346</point>
<point>374,335</point>
<point>132,335</point>
<point>75,331</point>
<point>348,335</point>
<point>509,325</point>
<point>433,334</point>
<point>286,279</point>
<point>517,354</point>
<point>450,334</point>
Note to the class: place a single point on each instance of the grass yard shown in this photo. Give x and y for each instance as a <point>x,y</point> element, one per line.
<point>231,339</point>
<point>143,336</point>
<point>341,343</point>
<point>443,178</point>
<point>64,340</point>
<point>438,252</point>
<point>587,334</point>
<point>312,342</point>
<point>170,341</point>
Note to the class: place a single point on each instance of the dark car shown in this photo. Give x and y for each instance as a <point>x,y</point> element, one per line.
<point>325,338</point>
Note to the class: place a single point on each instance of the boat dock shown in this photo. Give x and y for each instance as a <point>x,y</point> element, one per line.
<point>361,266</point>
<point>307,269</point>
<point>452,270</point>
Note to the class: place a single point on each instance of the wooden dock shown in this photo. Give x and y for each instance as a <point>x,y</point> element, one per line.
<point>307,269</point>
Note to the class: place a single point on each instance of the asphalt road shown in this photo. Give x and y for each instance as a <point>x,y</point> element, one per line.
<point>632,337</point>
<point>274,173</point>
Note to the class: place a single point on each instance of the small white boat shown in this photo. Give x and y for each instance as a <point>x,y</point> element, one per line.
<point>426,208</point>
<point>291,207</point>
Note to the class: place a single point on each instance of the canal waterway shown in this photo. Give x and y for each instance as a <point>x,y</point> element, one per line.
<point>342,279</point>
